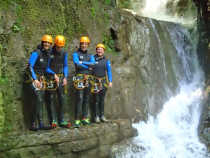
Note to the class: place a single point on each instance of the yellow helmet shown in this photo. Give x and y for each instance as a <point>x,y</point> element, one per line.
<point>100,45</point>
<point>84,39</point>
<point>60,41</point>
<point>47,38</point>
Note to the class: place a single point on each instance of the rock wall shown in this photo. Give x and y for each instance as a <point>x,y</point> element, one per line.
<point>85,142</point>
<point>133,45</point>
<point>203,18</point>
<point>139,48</point>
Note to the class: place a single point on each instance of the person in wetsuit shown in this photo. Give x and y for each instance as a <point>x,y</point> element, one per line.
<point>58,71</point>
<point>82,60</point>
<point>37,64</point>
<point>102,76</point>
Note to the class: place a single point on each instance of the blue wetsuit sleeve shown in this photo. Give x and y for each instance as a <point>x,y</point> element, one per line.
<point>32,60</point>
<point>48,69</point>
<point>92,59</point>
<point>65,66</point>
<point>76,61</point>
<point>91,62</point>
<point>109,70</point>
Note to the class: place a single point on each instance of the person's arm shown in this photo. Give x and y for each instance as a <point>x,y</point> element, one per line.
<point>77,62</point>
<point>48,69</point>
<point>32,60</point>
<point>91,62</point>
<point>109,70</point>
<point>65,66</point>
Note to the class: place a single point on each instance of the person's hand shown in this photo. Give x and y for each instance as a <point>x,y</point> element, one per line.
<point>37,84</point>
<point>110,84</point>
<point>56,79</point>
<point>64,81</point>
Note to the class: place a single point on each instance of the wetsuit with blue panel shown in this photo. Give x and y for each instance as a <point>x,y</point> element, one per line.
<point>57,64</point>
<point>83,61</point>
<point>37,63</point>
<point>101,72</point>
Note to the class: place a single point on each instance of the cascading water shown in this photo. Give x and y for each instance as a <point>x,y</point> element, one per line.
<point>179,11</point>
<point>173,133</point>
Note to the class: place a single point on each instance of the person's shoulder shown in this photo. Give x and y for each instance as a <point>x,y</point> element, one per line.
<point>35,52</point>
<point>107,60</point>
<point>76,52</point>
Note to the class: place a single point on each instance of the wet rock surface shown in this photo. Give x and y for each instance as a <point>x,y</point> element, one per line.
<point>87,141</point>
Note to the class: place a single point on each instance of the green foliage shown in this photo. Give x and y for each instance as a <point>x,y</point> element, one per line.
<point>3,81</point>
<point>108,2</point>
<point>109,43</point>
<point>124,3</point>
<point>32,19</point>
<point>93,12</point>
<point>5,4</point>
<point>16,27</point>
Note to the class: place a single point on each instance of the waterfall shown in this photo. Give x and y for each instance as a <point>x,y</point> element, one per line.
<point>173,133</point>
<point>167,10</point>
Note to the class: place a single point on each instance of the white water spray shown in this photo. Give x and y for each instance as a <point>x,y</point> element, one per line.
<point>173,133</point>
<point>158,9</point>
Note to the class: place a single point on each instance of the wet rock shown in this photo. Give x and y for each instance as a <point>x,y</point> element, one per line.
<point>86,141</point>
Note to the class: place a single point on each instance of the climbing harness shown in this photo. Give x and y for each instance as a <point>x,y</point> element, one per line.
<point>98,84</point>
<point>42,81</point>
<point>81,81</point>
<point>51,84</point>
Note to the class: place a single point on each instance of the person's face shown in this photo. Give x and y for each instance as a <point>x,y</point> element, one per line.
<point>58,49</point>
<point>84,46</point>
<point>100,51</point>
<point>46,45</point>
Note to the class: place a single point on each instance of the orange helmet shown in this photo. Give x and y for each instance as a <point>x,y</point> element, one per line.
<point>84,39</point>
<point>47,38</point>
<point>100,45</point>
<point>60,41</point>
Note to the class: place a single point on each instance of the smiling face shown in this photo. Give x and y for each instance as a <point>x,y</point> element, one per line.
<point>46,45</point>
<point>100,51</point>
<point>83,46</point>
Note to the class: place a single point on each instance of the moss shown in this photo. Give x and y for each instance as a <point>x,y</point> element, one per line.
<point>1,114</point>
<point>30,20</point>
<point>74,26</point>
<point>124,3</point>
<point>108,2</point>
<point>6,4</point>
<point>109,43</point>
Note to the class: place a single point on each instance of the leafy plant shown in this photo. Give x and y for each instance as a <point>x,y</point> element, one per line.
<point>109,43</point>
<point>108,2</point>
<point>16,27</point>
<point>93,12</point>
